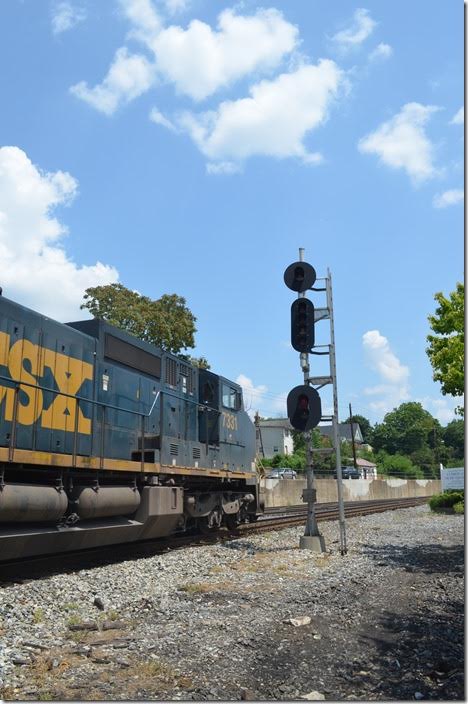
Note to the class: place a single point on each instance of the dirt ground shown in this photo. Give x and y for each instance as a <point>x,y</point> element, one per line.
<point>384,622</point>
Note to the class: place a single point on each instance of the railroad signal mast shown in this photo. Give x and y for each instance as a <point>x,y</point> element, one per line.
<point>303,403</point>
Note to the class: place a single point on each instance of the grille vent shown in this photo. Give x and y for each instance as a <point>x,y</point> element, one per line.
<point>187,372</point>
<point>174,449</point>
<point>171,372</point>
<point>196,453</point>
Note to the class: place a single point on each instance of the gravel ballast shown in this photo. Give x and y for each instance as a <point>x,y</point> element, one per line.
<point>254,618</point>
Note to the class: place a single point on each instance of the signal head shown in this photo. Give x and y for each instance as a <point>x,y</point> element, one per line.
<point>304,408</point>
<point>300,276</point>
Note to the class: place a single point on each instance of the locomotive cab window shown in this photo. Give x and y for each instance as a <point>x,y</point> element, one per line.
<point>231,397</point>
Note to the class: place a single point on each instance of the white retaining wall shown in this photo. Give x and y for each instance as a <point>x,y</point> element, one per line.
<point>288,492</point>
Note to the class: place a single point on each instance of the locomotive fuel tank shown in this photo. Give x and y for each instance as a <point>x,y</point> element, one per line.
<point>29,503</point>
<point>101,502</point>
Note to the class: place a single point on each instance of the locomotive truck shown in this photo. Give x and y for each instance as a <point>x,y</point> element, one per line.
<point>105,438</point>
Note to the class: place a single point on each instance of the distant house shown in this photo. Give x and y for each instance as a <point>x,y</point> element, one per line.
<point>344,432</point>
<point>368,469</point>
<point>274,437</point>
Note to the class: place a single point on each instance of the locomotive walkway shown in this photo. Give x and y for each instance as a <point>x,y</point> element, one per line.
<point>251,618</point>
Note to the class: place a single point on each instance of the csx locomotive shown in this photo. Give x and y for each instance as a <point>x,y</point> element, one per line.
<point>106,439</point>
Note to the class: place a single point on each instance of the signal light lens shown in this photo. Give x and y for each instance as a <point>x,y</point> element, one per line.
<point>304,408</point>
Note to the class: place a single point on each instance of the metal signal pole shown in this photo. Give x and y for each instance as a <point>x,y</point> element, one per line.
<point>312,538</point>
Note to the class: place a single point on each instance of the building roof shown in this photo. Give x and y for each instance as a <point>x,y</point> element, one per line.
<point>276,423</point>
<point>365,463</point>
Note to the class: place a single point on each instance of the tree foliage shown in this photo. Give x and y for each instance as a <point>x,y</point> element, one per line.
<point>405,430</point>
<point>454,437</point>
<point>447,345</point>
<point>165,322</point>
<point>398,465</point>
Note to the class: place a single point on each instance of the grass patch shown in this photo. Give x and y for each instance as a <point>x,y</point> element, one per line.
<point>38,615</point>
<point>74,620</point>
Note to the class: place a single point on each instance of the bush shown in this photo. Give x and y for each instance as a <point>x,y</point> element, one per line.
<point>447,499</point>
<point>397,465</point>
<point>459,507</point>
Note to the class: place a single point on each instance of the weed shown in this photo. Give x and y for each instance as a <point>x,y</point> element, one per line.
<point>38,615</point>
<point>74,620</point>
<point>153,668</point>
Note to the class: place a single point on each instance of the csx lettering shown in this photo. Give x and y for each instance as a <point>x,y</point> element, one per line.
<point>229,421</point>
<point>69,374</point>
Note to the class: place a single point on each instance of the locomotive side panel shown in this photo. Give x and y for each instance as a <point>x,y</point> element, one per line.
<point>43,367</point>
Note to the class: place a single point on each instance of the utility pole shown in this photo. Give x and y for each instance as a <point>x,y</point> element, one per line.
<point>352,436</point>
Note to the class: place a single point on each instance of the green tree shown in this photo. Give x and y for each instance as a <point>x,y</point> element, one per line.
<point>406,429</point>
<point>454,437</point>
<point>165,322</point>
<point>447,345</point>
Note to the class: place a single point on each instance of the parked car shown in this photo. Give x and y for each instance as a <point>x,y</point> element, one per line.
<point>349,473</point>
<point>282,473</point>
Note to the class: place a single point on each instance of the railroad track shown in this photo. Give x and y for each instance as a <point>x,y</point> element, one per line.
<point>285,516</point>
<point>275,518</point>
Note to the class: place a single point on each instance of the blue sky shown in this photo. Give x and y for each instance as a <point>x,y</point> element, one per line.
<point>192,147</point>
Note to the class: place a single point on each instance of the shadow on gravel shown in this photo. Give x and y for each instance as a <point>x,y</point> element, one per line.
<point>429,558</point>
<point>418,652</point>
<point>242,544</point>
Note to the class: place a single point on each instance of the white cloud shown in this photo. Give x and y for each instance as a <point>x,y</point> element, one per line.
<point>34,267</point>
<point>258,398</point>
<point>273,121</point>
<point>200,60</point>
<point>459,117</point>
<point>253,395</point>
<point>453,197</point>
<point>129,76</point>
<point>442,408</point>
<point>382,359</point>
<point>159,119</point>
<point>402,143</point>
<point>223,167</point>
<point>143,17</point>
<point>382,51</point>
<point>394,389</point>
<point>175,7</point>
<point>361,28</point>
<point>65,16</point>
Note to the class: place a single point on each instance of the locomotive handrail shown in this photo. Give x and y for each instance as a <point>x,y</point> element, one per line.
<point>108,405</point>
<point>81,398</point>
<point>16,384</point>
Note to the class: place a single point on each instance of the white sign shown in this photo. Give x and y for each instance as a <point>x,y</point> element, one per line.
<point>453,478</point>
